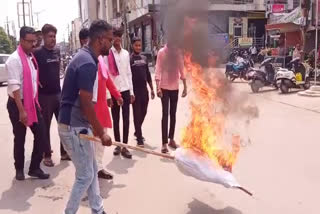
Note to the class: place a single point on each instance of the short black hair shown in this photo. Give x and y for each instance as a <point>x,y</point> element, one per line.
<point>47,28</point>
<point>118,32</point>
<point>135,39</point>
<point>26,30</point>
<point>97,27</point>
<point>84,33</point>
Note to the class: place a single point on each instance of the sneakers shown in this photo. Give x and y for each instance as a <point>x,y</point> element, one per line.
<point>140,143</point>
<point>38,173</point>
<point>141,137</point>
<point>117,151</point>
<point>103,174</point>
<point>20,175</point>
<point>124,152</point>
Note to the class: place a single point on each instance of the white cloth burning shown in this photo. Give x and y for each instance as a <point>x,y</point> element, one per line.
<point>202,168</point>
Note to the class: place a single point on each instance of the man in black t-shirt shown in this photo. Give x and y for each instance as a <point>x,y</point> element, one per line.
<point>140,77</point>
<point>48,58</point>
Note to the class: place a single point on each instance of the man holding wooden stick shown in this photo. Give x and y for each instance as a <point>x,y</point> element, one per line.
<point>77,116</point>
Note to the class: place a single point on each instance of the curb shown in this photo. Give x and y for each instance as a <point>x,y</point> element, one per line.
<point>314,91</point>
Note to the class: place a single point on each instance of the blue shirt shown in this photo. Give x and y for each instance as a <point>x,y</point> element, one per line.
<point>81,75</point>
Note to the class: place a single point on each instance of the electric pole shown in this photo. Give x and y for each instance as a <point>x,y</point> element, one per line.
<point>8,32</point>
<point>126,28</point>
<point>31,13</point>
<point>24,15</point>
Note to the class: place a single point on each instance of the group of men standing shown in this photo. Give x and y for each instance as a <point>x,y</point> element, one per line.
<point>102,74</point>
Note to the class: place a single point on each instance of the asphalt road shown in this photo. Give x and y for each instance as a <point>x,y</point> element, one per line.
<point>280,166</point>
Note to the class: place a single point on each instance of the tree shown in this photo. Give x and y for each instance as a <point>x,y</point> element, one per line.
<point>5,43</point>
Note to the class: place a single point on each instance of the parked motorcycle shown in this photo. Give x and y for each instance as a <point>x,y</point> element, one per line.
<point>238,69</point>
<point>262,76</point>
<point>296,77</point>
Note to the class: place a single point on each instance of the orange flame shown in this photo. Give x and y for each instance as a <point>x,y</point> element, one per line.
<point>205,132</point>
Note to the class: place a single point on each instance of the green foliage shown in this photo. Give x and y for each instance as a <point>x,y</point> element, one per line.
<point>5,43</point>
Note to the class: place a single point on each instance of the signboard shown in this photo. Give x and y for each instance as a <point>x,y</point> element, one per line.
<point>245,41</point>
<point>278,8</point>
<point>292,17</point>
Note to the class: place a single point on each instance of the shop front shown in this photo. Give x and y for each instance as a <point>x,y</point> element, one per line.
<point>284,35</point>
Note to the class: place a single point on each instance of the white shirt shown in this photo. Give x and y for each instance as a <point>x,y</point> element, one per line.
<point>253,50</point>
<point>15,75</point>
<point>123,81</point>
<point>95,90</point>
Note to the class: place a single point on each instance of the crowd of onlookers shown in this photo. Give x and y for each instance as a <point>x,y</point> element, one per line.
<point>101,77</point>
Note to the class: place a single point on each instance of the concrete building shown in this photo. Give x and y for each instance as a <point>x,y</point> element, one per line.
<point>145,22</point>
<point>76,26</point>
<point>90,10</point>
<point>238,19</point>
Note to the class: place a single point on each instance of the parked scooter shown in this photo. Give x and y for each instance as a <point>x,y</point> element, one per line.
<point>262,76</point>
<point>296,77</point>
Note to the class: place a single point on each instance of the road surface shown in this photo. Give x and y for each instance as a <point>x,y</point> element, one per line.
<point>280,166</point>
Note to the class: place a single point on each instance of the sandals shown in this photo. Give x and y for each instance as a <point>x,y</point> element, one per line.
<point>164,150</point>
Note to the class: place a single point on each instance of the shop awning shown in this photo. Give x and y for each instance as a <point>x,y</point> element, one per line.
<point>283,27</point>
<point>288,23</point>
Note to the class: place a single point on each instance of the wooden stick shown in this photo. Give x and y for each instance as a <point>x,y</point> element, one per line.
<point>148,151</point>
<point>245,190</point>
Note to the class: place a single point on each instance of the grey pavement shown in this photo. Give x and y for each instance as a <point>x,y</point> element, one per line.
<point>280,166</point>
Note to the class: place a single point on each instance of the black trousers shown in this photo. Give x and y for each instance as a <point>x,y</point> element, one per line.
<point>169,102</point>
<point>140,107</point>
<point>115,111</point>
<point>50,105</point>
<point>19,132</point>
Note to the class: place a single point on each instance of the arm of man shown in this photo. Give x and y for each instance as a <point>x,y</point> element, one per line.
<point>129,76</point>
<point>114,91</point>
<point>149,80</point>
<point>14,70</point>
<point>158,73</point>
<point>183,78</point>
<point>85,82</point>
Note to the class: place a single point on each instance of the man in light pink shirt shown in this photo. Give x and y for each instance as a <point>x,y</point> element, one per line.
<point>169,69</point>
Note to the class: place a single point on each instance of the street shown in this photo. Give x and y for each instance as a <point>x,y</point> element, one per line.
<point>280,166</point>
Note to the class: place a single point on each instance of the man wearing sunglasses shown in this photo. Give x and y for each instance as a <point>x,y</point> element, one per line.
<point>23,107</point>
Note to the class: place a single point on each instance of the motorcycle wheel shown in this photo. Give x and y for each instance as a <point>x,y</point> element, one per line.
<point>307,84</point>
<point>229,77</point>
<point>284,88</point>
<point>255,87</point>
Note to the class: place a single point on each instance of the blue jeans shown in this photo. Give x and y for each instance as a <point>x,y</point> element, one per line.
<point>83,157</point>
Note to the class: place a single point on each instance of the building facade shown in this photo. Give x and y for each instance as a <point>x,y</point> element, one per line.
<point>76,26</point>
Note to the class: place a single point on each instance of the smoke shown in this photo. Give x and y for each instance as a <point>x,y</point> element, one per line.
<point>186,27</point>
<point>186,24</point>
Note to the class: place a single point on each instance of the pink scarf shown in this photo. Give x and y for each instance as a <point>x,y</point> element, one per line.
<point>28,100</point>
<point>103,67</point>
<point>113,68</point>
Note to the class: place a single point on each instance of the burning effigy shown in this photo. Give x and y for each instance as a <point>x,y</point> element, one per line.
<point>209,147</point>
